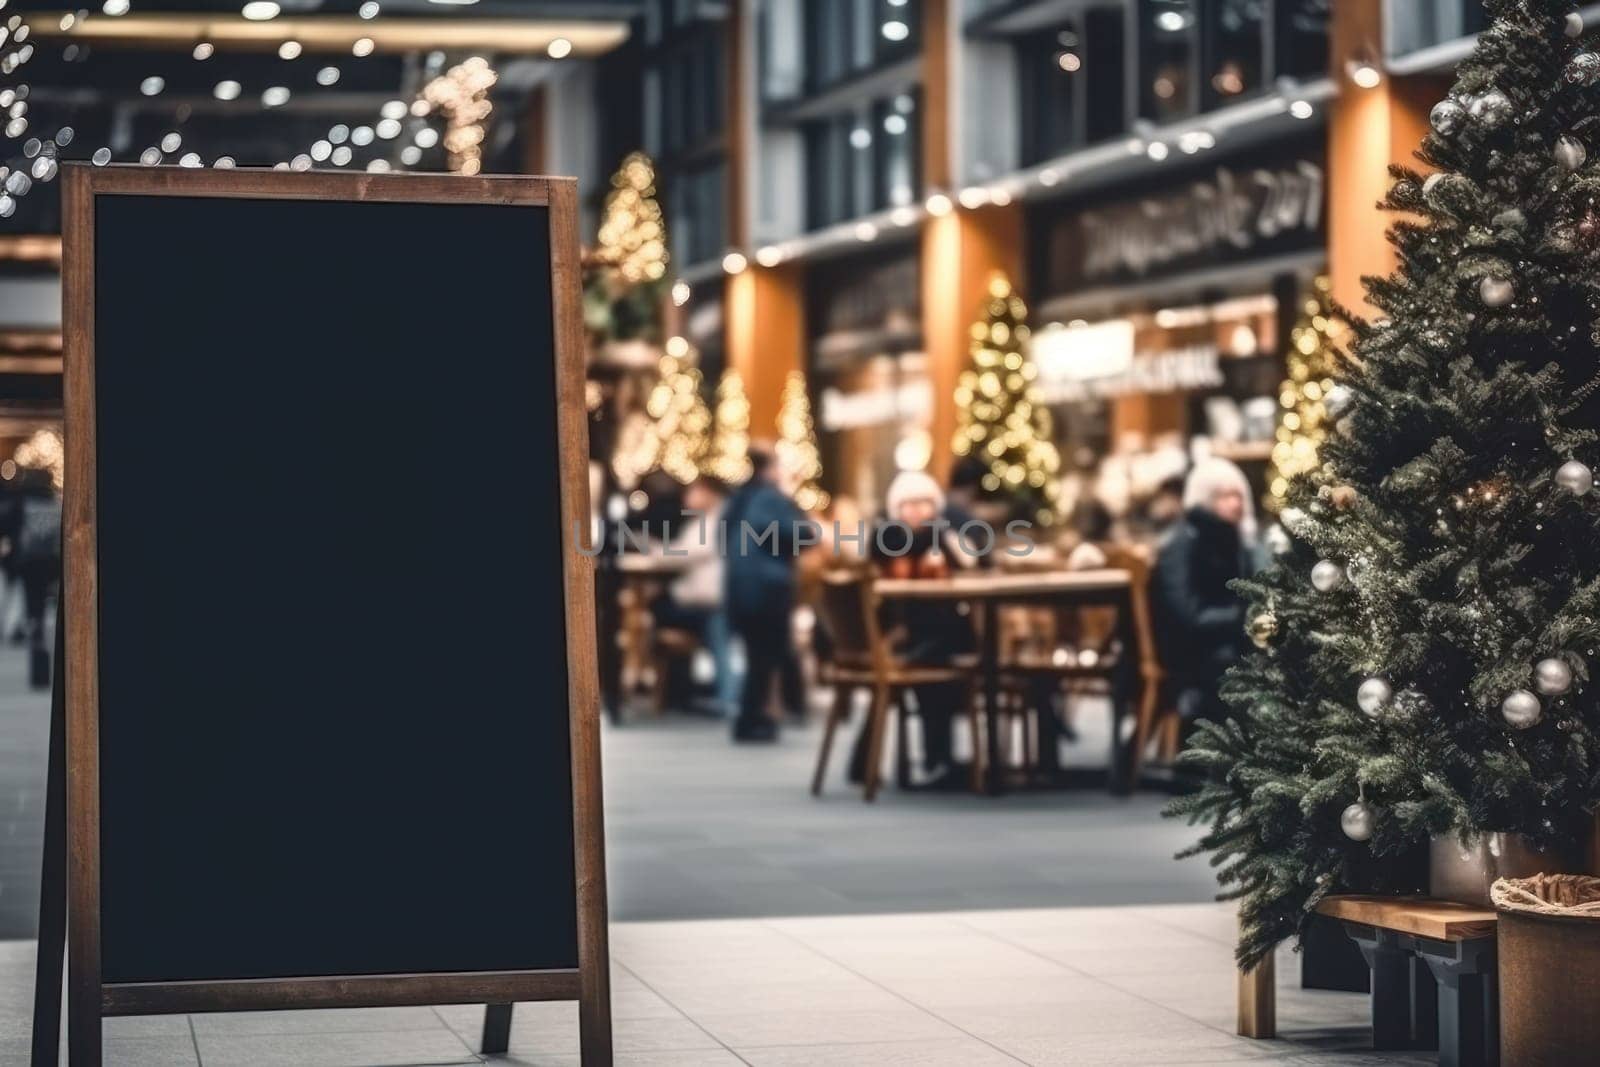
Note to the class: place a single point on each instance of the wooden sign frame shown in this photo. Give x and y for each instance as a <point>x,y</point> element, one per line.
<point>72,860</point>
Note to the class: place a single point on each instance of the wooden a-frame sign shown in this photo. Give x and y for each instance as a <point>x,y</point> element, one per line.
<point>507,901</point>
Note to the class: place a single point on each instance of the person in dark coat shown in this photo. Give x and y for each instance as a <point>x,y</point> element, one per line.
<point>765,531</point>
<point>1199,620</point>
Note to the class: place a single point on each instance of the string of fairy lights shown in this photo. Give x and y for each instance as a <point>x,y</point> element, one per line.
<point>459,96</point>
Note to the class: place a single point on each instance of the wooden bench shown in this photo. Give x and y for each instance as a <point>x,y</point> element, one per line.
<point>1433,977</point>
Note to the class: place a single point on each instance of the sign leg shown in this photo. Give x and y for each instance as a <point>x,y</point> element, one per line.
<point>52,882</point>
<point>496,1028</point>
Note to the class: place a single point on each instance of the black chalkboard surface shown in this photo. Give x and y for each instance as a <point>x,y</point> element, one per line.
<point>329,650</point>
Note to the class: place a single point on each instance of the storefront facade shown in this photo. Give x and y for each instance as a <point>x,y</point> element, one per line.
<point>1162,312</point>
<point>868,369</point>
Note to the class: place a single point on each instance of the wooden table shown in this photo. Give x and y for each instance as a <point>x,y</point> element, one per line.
<point>987,591</point>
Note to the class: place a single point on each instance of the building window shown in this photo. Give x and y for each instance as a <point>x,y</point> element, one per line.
<point>1071,82</point>
<point>862,161</point>
<point>1418,24</point>
<point>1301,27</point>
<point>693,91</point>
<point>1167,74</point>
<point>697,202</point>
<point>845,38</point>
<point>1234,32</point>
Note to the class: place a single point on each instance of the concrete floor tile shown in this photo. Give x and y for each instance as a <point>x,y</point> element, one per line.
<point>703,1057</point>
<point>801,1026</point>
<point>322,1021</point>
<point>627,1035</point>
<point>146,1026</point>
<point>954,1052</point>
<point>420,1048</point>
<point>149,1051</point>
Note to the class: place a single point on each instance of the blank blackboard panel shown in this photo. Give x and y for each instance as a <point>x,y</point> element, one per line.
<point>334,734</point>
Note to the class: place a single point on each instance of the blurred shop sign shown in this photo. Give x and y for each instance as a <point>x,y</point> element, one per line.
<point>1083,353</point>
<point>908,402</point>
<point>1235,213</point>
<point>1175,370</point>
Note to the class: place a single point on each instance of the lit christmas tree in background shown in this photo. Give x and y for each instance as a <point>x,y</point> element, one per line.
<point>674,435</point>
<point>1000,418</point>
<point>628,268</point>
<point>729,457</point>
<point>633,237</point>
<point>1303,423</point>
<point>797,443</point>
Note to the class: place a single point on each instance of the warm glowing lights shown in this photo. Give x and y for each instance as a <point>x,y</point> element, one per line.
<point>462,95</point>
<point>260,10</point>
<point>633,234</point>
<point>560,48</point>
<point>1364,73</point>
<point>734,263</point>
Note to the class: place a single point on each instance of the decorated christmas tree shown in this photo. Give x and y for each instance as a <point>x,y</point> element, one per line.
<point>633,238</point>
<point>674,434</point>
<point>729,456</point>
<point>1429,633</point>
<point>1303,423</point>
<point>629,264</point>
<point>1000,418</point>
<point>797,443</point>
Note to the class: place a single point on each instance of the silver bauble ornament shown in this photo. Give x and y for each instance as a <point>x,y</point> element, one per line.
<point>1570,153</point>
<point>1575,477</point>
<point>1552,676</point>
<point>1447,117</point>
<point>1373,695</point>
<point>1496,292</point>
<point>1337,401</point>
<point>1491,109</point>
<point>1583,69</point>
<point>1358,821</point>
<point>1277,539</point>
<point>1326,576</point>
<point>1574,26</point>
<point>1431,182</point>
<point>1521,709</point>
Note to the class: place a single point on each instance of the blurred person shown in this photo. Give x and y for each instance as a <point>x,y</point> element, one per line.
<point>1199,620</point>
<point>1165,506</point>
<point>935,633</point>
<point>693,601</point>
<point>765,532</point>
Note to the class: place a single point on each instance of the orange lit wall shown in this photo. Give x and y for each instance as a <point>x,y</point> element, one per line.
<point>1368,130</point>
<point>766,330</point>
<point>959,254</point>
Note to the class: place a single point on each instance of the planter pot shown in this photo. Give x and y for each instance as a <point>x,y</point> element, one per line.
<point>1549,949</point>
<point>1465,873</point>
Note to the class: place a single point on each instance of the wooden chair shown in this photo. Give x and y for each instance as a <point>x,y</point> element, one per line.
<point>667,645</point>
<point>1079,674</point>
<point>862,659</point>
<point>1151,717</point>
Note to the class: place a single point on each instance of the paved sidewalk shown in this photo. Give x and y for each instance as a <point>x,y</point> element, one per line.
<point>1092,986</point>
